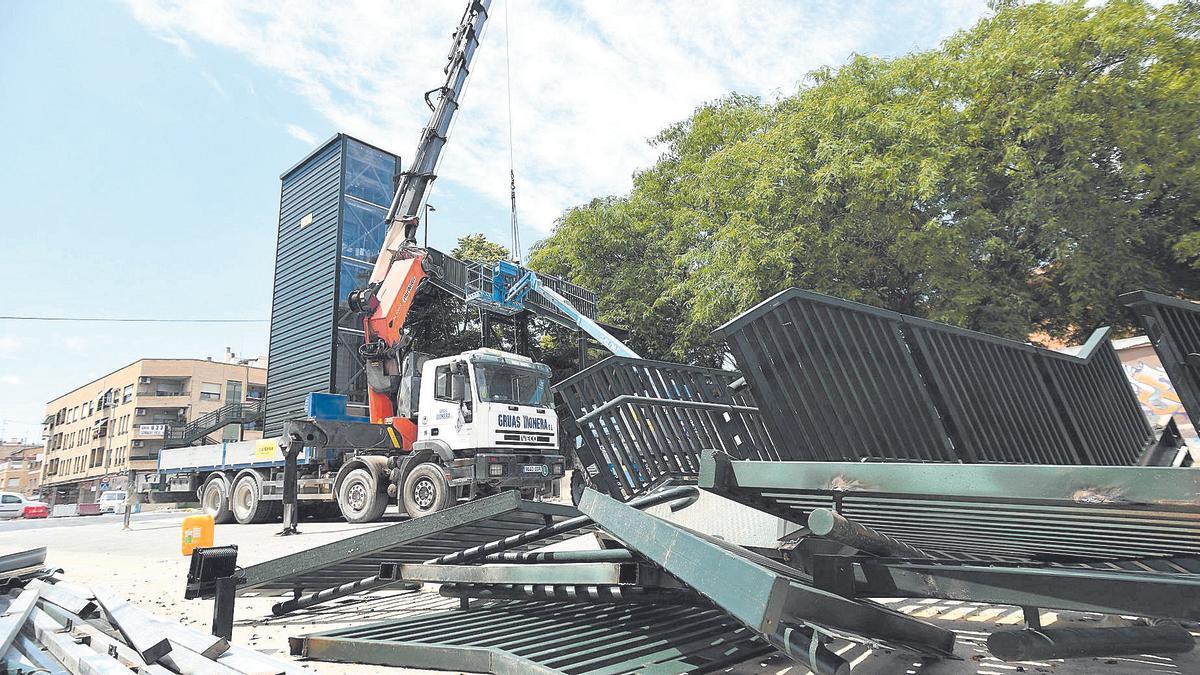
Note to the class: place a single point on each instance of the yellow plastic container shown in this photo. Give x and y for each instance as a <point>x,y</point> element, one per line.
<point>197,532</point>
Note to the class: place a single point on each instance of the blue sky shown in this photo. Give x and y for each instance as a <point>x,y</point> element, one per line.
<point>144,140</point>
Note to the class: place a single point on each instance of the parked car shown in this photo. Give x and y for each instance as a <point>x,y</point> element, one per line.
<point>36,510</point>
<point>12,505</point>
<point>112,501</point>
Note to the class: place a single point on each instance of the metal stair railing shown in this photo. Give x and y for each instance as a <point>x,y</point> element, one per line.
<point>231,413</point>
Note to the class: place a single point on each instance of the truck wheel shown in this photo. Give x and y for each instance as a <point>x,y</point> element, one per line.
<point>214,499</point>
<point>246,501</point>
<point>426,490</point>
<point>360,499</point>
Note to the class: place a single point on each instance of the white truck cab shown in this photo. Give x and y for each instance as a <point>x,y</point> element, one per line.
<point>486,399</point>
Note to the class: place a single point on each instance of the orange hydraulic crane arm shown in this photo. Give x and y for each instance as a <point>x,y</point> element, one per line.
<point>400,268</point>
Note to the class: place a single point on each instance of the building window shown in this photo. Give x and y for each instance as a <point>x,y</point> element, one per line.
<point>14,483</point>
<point>127,395</point>
<point>210,391</point>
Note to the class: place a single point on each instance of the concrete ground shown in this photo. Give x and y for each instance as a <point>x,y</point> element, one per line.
<point>145,565</point>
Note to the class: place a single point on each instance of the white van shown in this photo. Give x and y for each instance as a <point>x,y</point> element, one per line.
<point>112,501</point>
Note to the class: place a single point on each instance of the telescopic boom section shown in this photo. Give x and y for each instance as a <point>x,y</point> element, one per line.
<point>400,267</point>
<point>403,218</point>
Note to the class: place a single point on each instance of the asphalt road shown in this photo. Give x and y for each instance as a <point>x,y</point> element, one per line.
<point>18,524</point>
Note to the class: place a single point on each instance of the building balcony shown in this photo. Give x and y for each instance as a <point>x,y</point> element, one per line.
<point>162,394</point>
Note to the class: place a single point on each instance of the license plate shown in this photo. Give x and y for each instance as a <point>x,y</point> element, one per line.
<point>535,468</point>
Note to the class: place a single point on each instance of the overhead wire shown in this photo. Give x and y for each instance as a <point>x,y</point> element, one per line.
<point>515,253</point>
<point>131,320</point>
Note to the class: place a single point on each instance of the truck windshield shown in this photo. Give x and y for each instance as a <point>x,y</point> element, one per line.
<point>507,384</point>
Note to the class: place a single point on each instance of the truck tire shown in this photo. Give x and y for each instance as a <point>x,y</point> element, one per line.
<point>214,499</point>
<point>246,500</point>
<point>360,498</point>
<point>425,490</point>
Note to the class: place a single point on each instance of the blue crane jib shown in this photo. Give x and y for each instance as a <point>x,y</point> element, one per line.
<point>510,287</point>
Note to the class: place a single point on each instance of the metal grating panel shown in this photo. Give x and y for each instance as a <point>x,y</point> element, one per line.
<point>1014,512</point>
<point>634,428</point>
<point>1173,327</point>
<point>842,381</point>
<point>412,541</point>
<point>520,637</point>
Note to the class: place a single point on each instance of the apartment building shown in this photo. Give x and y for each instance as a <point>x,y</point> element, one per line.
<point>20,468</point>
<point>98,433</point>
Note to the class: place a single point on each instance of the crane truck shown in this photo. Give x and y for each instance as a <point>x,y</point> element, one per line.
<point>440,428</point>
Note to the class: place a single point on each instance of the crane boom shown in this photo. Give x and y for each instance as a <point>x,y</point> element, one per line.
<point>401,266</point>
<point>403,217</point>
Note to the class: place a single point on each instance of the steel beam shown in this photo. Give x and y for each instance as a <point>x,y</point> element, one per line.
<point>77,658</point>
<point>760,593</point>
<point>140,631</point>
<point>1078,643</point>
<point>63,597</point>
<point>364,584</point>
<point>1077,485</point>
<point>15,616</point>
<point>1149,594</point>
<point>549,573</point>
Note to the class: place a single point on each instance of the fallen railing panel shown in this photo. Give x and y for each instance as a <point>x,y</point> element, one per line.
<point>1015,512</point>
<point>1173,326</point>
<point>842,381</point>
<point>554,637</point>
<point>639,422</point>
<point>357,559</point>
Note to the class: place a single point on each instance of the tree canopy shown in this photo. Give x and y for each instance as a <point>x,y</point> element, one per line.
<point>1015,179</point>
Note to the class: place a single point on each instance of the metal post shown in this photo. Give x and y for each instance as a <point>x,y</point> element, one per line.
<point>521,324</point>
<point>485,328</point>
<point>222,623</point>
<point>582,350</point>
<point>291,506</point>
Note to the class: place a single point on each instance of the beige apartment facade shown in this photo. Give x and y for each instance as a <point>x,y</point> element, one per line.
<point>20,468</point>
<point>98,433</point>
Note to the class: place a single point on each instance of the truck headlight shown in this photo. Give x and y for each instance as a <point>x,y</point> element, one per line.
<point>495,469</point>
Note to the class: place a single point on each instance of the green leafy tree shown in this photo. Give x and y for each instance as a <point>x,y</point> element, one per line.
<point>1017,178</point>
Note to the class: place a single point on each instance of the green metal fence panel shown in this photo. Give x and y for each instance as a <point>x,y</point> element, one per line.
<point>556,637</point>
<point>1173,327</point>
<point>843,381</point>
<point>638,422</point>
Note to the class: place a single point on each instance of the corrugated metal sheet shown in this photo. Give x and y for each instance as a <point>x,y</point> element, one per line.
<point>302,306</point>
<point>839,381</point>
<point>1173,327</point>
<point>652,434</point>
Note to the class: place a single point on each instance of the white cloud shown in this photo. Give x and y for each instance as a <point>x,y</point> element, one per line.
<point>11,380</point>
<point>8,345</point>
<point>591,81</point>
<point>301,134</point>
